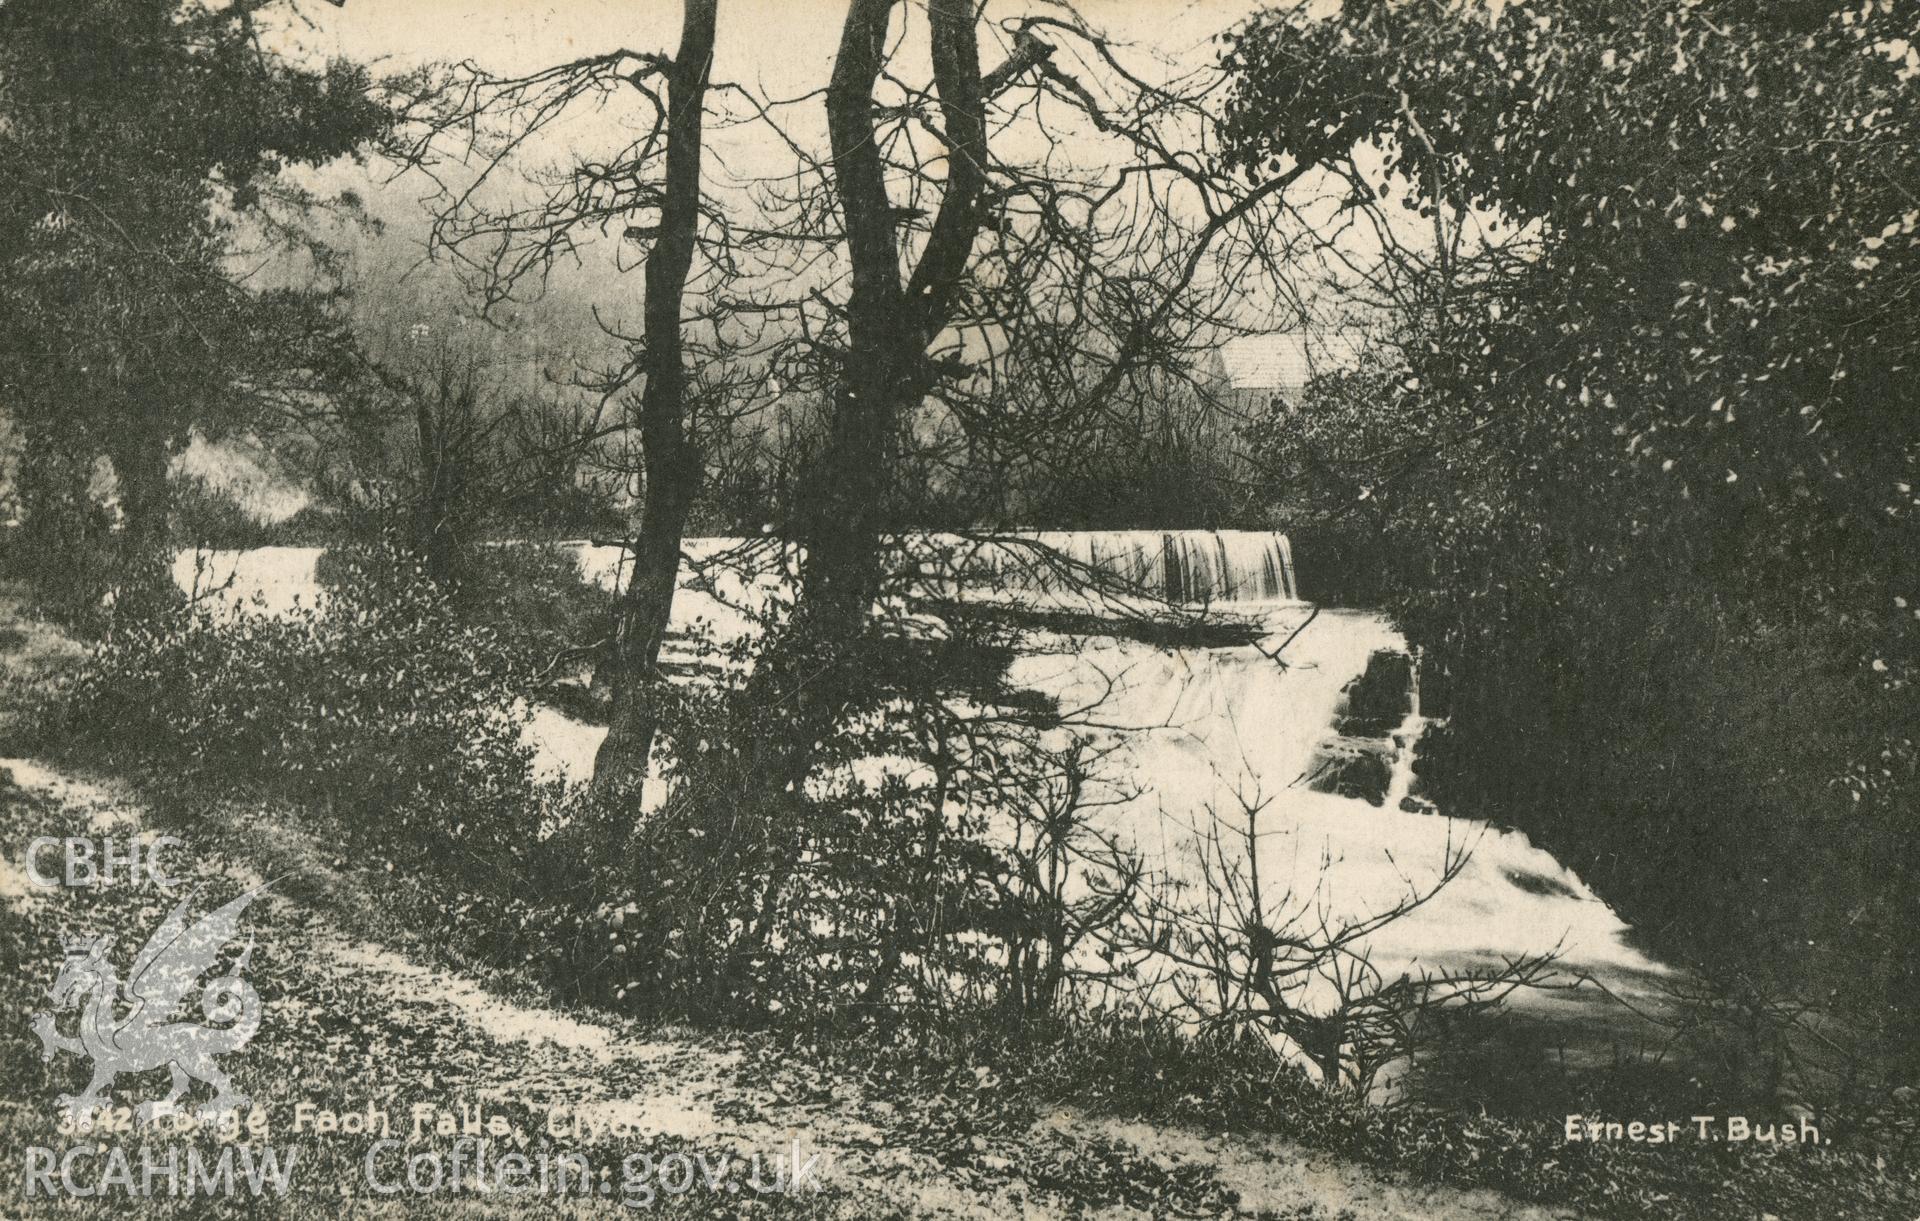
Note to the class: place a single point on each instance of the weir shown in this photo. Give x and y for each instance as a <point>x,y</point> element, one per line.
<point>1189,567</point>
<point>1192,737</point>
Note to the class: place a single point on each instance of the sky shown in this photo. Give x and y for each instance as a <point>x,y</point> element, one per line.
<point>784,45</point>
<point>776,49</point>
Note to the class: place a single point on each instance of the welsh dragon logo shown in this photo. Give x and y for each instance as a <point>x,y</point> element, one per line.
<point>129,1028</point>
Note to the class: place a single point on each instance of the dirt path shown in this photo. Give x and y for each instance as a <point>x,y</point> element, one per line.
<point>877,1156</point>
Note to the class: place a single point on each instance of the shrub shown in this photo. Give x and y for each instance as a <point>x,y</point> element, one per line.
<point>377,704</point>
<point>531,597</point>
<point>866,874</point>
<point>534,598</point>
<point>202,515</point>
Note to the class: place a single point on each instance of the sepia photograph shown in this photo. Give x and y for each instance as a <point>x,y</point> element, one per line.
<point>1296,610</point>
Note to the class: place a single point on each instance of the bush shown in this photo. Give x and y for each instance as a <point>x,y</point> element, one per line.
<point>534,598</point>
<point>757,890</point>
<point>531,597</point>
<point>201,515</point>
<point>859,875</point>
<point>378,705</point>
<point>388,714</point>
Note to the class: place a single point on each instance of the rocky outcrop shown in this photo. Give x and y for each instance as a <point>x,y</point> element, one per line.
<point>1357,760</point>
<point>1374,704</point>
<point>1361,768</point>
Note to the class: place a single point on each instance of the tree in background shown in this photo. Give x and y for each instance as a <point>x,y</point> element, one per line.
<point>1022,278</point>
<point>133,136</point>
<point>451,428</point>
<point>1655,481</point>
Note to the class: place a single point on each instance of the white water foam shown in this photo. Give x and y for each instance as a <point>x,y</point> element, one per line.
<point>1198,733</point>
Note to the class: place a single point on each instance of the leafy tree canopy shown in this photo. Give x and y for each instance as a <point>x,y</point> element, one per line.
<point>1650,451</point>
<point>134,134</point>
<point>1719,210</point>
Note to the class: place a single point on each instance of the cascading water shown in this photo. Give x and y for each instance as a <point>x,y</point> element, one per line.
<point>1190,567</point>
<point>1198,733</point>
<point>1406,741</point>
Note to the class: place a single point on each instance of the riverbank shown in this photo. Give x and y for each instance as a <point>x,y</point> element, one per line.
<point>357,1026</point>
<point>1099,1115</point>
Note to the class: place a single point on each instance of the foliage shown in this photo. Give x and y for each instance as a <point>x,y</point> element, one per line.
<point>377,705</point>
<point>882,884</point>
<point>387,713</point>
<point>530,599</point>
<point>133,136</point>
<point>63,556</point>
<point>535,599</point>
<point>450,427</point>
<point>1139,1066</point>
<point>1160,479</point>
<point>868,885</point>
<point>204,516</point>
<point>1648,461</point>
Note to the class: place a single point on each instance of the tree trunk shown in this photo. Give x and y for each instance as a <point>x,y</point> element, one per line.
<point>672,466</point>
<point>142,569</point>
<point>890,326</point>
<point>435,528</point>
<point>810,673</point>
<point>846,498</point>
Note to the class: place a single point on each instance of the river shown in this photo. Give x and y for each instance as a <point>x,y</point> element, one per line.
<point>1196,734</point>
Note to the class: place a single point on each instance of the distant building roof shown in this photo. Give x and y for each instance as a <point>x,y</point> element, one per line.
<point>1284,363</point>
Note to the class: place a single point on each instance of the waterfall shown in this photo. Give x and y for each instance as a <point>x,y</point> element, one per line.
<point>1406,741</point>
<point>1191,567</point>
<point>1188,736</point>
<point>1182,566</point>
